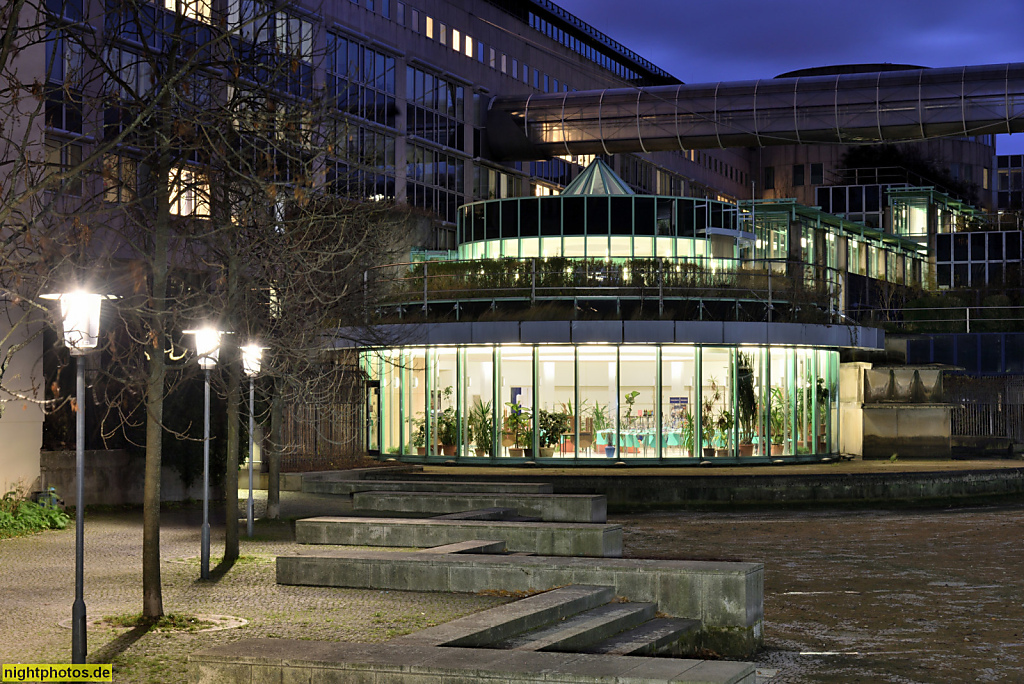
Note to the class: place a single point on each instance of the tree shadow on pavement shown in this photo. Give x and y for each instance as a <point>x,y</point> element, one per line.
<point>217,573</point>
<point>119,645</point>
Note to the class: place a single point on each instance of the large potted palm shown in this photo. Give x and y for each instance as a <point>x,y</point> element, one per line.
<point>481,427</point>
<point>746,404</point>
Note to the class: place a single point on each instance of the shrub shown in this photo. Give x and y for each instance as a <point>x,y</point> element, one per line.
<point>19,516</point>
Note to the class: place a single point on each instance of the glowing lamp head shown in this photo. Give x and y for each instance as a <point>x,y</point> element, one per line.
<point>80,315</point>
<point>252,355</point>
<point>207,346</point>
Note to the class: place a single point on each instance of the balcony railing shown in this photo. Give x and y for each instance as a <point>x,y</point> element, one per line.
<point>691,288</point>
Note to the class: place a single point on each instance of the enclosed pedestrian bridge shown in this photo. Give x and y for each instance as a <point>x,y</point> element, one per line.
<point>887,106</point>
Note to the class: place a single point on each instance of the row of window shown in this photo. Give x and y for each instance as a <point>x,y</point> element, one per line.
<point>798,176</point>
<point>581,47</point>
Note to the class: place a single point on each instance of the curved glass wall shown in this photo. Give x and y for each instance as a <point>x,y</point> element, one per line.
<point>597,402</point>
<point>596,227</point>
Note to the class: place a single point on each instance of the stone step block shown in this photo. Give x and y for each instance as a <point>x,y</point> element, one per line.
<point>547,539</point>
<point>287,660</point>
<point>488,627</point>
<point>660,636</point>
<point>585,508</point>
<point>728,598</point>
<point>579,631</point>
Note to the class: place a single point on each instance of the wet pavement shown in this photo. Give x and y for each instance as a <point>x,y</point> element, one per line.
<point>869,596</point>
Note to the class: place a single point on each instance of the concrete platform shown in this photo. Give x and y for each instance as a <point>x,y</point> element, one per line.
<point>584,508</point>
<point>727,598</point>
<point>545,539</point>
<point>349,487</point>
<point>285,660</point>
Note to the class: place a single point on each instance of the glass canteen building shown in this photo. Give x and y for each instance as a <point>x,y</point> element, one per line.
<point>522,357</point>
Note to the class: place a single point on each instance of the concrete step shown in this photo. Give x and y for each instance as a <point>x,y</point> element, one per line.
<point>325,485</point>
<point>482,629</point>
<point>576,633</point>
<point>654,637</point>
<point>482,514</point>
<point>585,508</point>
<point>549,539</point>
<point>277,660</point>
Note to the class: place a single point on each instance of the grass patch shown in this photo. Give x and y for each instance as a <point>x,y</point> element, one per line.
<point>172,622</point>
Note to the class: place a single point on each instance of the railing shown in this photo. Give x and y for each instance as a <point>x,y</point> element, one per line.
<point>711,288</point>
<point>950,319</point>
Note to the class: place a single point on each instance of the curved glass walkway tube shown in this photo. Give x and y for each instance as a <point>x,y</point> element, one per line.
<point>890,106</point>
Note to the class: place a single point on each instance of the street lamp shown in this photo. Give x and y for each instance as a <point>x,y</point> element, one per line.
<point>80,315</point>
<point>207,349</point>
<point>252,354</point>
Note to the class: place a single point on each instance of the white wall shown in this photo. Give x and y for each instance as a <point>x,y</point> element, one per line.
<point>21,421</point>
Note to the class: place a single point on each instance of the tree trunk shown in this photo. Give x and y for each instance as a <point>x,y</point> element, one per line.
<point>276,445</point>
<point>152,595</point>
<point>231,469</point>
<point>152,592</point>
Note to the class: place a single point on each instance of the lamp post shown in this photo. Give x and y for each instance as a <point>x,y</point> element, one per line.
<point>252,354</point>
<point>207,349</point>
<point>80,314</point>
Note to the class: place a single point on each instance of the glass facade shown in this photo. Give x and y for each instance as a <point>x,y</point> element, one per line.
<point>596,402</point>
<point>595,227</point>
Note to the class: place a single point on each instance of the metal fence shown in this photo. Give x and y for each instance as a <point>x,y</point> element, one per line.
<point>321,436</point>
<point>986,406</point>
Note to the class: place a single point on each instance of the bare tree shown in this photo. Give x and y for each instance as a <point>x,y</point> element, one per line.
<point>195,185</point>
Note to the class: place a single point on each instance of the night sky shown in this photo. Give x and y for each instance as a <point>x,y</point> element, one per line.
<point>731,40</point>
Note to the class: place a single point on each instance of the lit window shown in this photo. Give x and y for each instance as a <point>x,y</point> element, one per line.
<point>430,27</point>
<point>189,193</point>
<point>491,61</point>
<point>456,40</point>
<point>120,179</point>
<point>469,47</point>
<point>192,9</point>
<point>62,157</point>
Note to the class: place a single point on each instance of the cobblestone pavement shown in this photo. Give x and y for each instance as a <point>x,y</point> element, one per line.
<point>37,580</point>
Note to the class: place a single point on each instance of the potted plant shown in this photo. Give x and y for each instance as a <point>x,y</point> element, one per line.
<point>419,434</point>
<point>602,423</point>
<point>724,424</point>
<point>707,419</point>
<point>746,404</point>
<point>777,420</point>
<point>517,424</point>
<point>627,414</point>
<point>481,426</point>
<point>686,432</point>
<point>552,424</point>
<point>448,431</point>
<point>823,395</point>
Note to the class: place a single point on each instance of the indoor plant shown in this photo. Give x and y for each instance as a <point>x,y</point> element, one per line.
<point>481,426</point>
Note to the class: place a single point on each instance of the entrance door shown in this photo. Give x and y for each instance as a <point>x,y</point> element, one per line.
<point>373,426</point>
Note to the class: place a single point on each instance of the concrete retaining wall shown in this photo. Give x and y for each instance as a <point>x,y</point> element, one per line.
<point>728,598</point>
<point>114,478</point>
<point>586,508</point>
<point>639,492</point>
<point>545,539</point>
